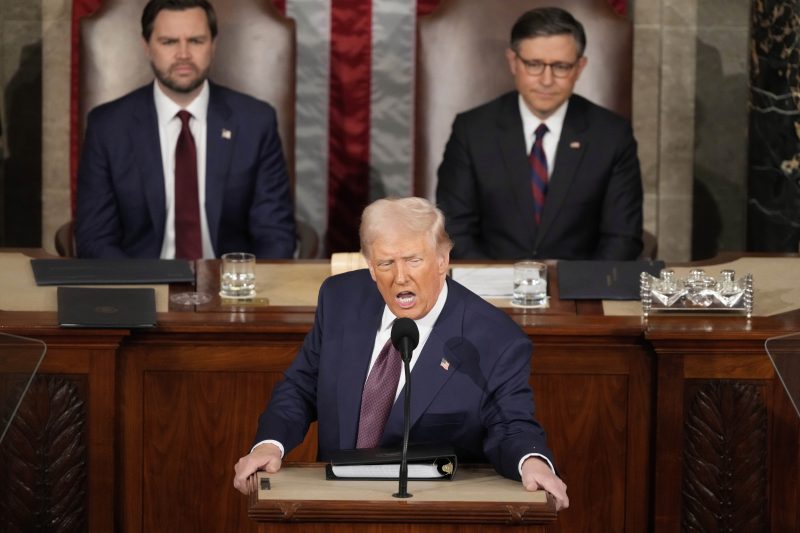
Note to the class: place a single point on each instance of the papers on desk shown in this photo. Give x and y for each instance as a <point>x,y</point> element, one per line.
<point>488,282</point>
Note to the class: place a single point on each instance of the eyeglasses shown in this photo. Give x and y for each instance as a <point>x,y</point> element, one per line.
<point>534,67</point>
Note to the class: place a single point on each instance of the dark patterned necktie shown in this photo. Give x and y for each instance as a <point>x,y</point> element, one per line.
<point>539,176</point>
<point>378,396</point>
<point>188,244</point>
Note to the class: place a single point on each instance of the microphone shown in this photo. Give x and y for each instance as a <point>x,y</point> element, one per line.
<point>405,337</point>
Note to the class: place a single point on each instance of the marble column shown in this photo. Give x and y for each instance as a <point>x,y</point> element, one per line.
<point>773,203</point>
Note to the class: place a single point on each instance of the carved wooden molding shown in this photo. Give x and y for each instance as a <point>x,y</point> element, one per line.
<point>44,459</point>
<point>724,458</point>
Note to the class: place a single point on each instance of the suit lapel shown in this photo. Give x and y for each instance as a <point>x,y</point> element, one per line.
<point>430,374</point>
<point>146,142</point>
<point>512,145</point>
<point>220,138</point>
<point>358,339</point>
<point>571,147</point>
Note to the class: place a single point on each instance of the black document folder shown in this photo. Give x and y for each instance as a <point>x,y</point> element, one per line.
<point>111,271</point>
<point>603,280</point>
<point>81,307</point>
<point>428,462</point>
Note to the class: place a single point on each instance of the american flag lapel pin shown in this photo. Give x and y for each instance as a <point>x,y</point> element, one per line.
<point>575,145</point>
<point>226,134</point>
<point>445,364</point>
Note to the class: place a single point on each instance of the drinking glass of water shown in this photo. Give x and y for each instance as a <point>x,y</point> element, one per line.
<point>530,284</point>
<point>238,275</point>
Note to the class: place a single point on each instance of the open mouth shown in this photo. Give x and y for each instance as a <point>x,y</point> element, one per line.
<point>406,299</point>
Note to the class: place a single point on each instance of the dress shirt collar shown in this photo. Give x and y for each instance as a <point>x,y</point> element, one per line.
<point>167,108</point>
<point>530,122</point>
<point>424,324</point>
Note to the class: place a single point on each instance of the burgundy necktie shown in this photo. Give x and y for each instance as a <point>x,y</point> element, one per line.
<point>539,176</point>
<point>378,396</point>
<point>188,244</point>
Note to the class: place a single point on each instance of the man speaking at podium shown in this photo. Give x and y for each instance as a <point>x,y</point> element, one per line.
<point>470,369</point>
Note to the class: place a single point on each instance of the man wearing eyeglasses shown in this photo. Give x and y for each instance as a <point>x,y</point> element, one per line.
<point>541,172</point>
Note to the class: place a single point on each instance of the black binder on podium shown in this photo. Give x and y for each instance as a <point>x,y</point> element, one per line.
<point>428,462</point>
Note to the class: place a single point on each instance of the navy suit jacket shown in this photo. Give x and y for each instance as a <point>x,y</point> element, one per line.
<point>121,203</point>
<point>481,403</point>
<point>593,208</point>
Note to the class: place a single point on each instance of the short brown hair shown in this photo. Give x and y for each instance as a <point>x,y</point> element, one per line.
<point>154,7</point>
<point>547,21</point>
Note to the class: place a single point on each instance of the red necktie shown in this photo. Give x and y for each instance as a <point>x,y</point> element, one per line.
<point>539,176</point>
<point>188,244</point>
<point>378,396</point>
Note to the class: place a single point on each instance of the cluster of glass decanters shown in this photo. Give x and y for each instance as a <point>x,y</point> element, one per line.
<point>697,292</point>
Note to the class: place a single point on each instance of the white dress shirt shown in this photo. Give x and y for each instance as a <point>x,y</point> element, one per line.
<point>424,325</point>
<point>554,123</point>
<point>169,128</point>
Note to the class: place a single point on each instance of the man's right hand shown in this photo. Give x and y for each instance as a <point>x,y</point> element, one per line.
<point>263,457</point>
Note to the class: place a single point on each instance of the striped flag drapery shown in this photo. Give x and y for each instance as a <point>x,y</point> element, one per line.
<point>354,113</point>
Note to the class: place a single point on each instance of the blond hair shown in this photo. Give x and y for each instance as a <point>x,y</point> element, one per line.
<point>411,215</point>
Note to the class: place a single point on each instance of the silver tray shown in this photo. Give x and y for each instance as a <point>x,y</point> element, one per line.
<point>697,292</point>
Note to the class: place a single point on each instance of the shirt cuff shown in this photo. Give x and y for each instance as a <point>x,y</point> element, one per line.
<point>280,447</point>
<point>519,466</point>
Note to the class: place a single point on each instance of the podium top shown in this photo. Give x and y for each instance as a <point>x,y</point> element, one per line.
<point>475,495</point>
<point>784,352</point>
<point>20,358</point>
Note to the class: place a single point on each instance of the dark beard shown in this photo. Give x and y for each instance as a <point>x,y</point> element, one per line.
<point>165,80</point>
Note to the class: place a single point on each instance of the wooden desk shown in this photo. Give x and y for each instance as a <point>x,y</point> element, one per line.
<point>639,415</point>
<point>477,499</point>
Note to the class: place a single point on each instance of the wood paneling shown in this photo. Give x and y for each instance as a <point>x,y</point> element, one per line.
<point>726,450</point>
<point>637,414</point>
<point>69,417</point>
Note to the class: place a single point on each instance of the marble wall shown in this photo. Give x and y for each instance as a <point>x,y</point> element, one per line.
<point>689,115</point>
<point>721,132</point>
<point>774,180</point>
<point>56,196</point>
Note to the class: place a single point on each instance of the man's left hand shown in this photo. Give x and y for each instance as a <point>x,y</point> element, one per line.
<point>536,474</point>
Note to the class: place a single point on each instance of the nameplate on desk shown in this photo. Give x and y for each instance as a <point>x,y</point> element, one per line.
<point>111,271</point>
<point>95,307</point>
<point>603,280</point>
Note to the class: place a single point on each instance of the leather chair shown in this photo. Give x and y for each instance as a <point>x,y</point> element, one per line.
<point>461,64</point>
<point>65,239</point>
<point>255,54</point>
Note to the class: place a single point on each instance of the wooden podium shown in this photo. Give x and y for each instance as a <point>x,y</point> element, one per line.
<point>299,498</point>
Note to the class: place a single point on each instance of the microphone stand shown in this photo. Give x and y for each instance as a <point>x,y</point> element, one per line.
<point>405,353</point>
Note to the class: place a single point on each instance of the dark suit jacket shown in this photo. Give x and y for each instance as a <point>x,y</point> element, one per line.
<point>593,208</point>
<point>481,403</point>
<point>121,205</point>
